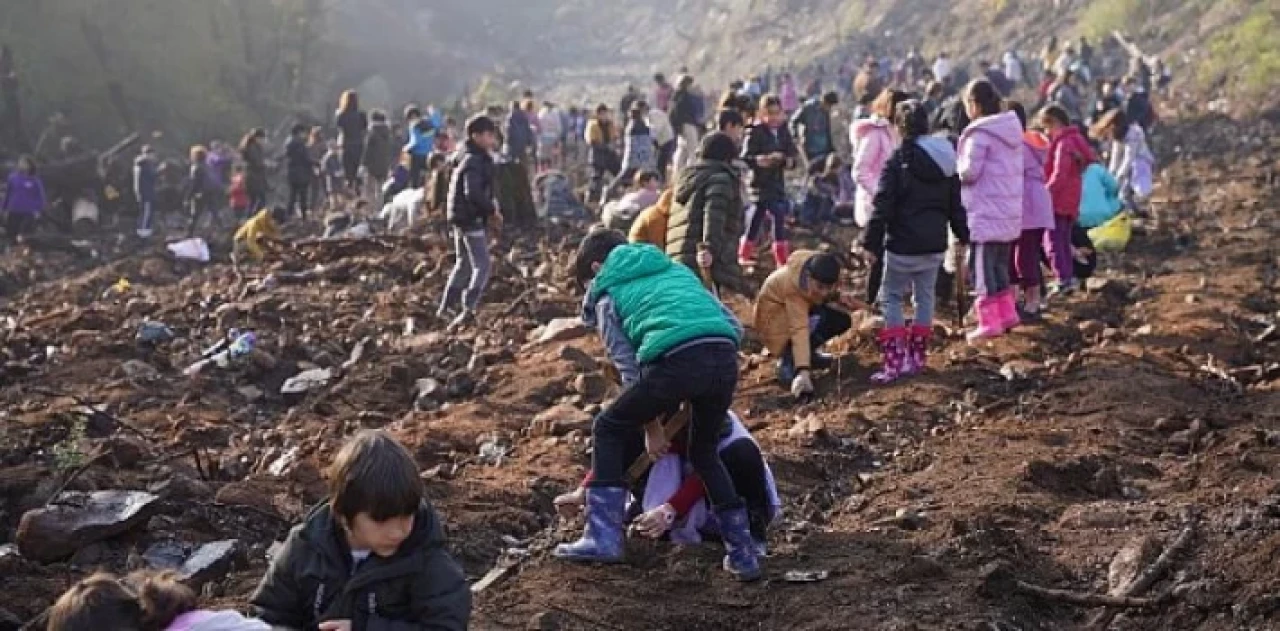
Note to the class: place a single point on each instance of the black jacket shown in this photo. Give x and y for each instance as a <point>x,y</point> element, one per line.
<point>471,191</point>
<point>379,151</point>
<point>683,110</point>
<point>301,168</point>
<point>917,200</point>
<point>768,184</point>
<point>707,208</point>
<point>311,581</point>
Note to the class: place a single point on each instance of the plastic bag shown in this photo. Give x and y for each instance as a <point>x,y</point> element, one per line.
<point>1114,235</point>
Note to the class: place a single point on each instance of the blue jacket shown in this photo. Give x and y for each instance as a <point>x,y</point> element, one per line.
<point>422,138</point>
<point>144,179</point>
<point>519,135</point>
<point>24,195</point>
<point>1099,197</point>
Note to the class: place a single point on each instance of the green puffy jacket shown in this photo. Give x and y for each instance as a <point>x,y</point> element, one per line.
<point>708,207</point>
<point>660,302</point>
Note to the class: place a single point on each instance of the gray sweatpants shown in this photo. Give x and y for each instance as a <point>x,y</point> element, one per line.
<point>919,275</point>
<point>470,270</point>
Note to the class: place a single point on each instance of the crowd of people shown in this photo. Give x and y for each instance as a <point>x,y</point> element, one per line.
<point>946,174</point>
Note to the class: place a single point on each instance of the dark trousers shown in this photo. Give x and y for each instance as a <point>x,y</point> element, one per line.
<point>777,210</point>
<point>706,376</point>
<point>825,324</point>
<point>417,171</point>
<point>199,207</point>
<point>299,196</point>
<point>19,224</point>
<point>875,277</point>
<point>665,154</point>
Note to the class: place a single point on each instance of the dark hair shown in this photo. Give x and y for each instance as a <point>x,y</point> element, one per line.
<point>1113,125</point>
<point>601,108</point>
<point>644,177</point>
<point>771,100</point>
<point>831,98</point>
<point>730,101</point>
<point>887,103</point>
<point>1057,113</point>
<point>985,95</point>
<point>435,160</point>
<point>1016,107</point>
<point>412,111</point>
<point>659,78</point>
<point>30,161</point>
<point>726,118</point>
<point>298,128</point>
<point>378,116</point>
<point>595,248</point>
<point>374,474</point>
<point>349,102</point>
<point>142,601</point>
<point>823,267</point>
<point>718,146</point>
<point>911,119</point>
<point>480,124</point>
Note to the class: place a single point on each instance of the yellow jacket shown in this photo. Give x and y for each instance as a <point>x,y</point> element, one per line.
<point>651,225</point>
<point>782,310</point>
<point>251,234</point>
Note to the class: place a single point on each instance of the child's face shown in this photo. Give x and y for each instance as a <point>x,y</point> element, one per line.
<point>651,185</point>
<point>734,132</point>
<point>486,140</point>
<point>383,538</point>
<point>773,116</point>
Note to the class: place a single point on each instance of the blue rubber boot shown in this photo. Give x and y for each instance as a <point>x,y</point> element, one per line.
<point>603,540</point>
<point>740,559</point>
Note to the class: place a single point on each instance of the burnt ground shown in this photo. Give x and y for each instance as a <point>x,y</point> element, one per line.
<point>1144,407</point>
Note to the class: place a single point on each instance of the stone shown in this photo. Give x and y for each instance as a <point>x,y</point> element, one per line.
<point>460,385</point>
<point>125,451</point>
<point>1145,330</point>
<point>252,394</point>
<point>808,427</point>
<point>209,563</point>
<point>561,330</point>
<point>165,555</point>
<point>1092,328</point>
<point>544,621</point>
<point>581,360</point>
<point>1095,516</point>
<point>1170,425</point>
<point>181,487</point>
<point>138,371</point>
<point>560,420</point>
<point>592,386</point>
<point>89,555</point>
<point>428,393</point>
<point>245,493</point>
<point>76,520</point>
<point>306,381</point>
<point>1129,562</point>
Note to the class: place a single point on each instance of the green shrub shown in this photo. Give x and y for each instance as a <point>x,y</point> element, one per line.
<point>1246,55</point>
<point>1099,19</point>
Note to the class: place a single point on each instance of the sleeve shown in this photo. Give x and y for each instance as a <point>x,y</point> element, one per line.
<point>958,220</point>
<point>715,209</point>
<point>441,597</point>
<point>621,351</point>
<point>1054,168</point>
<point>798,326</point>
<point>863,158</point>
<point>798,121</point>
<point>884,205</point>
<point>751,147</point>
<point>477,191</point>
<point>691,492</point>
<point>1128,151</point>
<point>973,155</point>
<point>278,600</point>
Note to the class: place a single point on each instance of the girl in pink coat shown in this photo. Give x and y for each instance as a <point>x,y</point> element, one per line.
<point>1069,156</point>
<point>991,174</point>
<point>873,139</point>
<point>1037,217</point>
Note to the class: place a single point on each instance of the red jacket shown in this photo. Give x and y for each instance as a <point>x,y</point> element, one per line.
<point>1069,155</point>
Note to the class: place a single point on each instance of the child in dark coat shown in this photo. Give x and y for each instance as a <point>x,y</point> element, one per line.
<point>372,557</point>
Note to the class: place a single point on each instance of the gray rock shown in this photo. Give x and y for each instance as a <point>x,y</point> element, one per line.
<point>581,360</point>
<point>561,330</point>
<point>138,371</point>
<point>165,555</point>
<point>180,487</point>
<point>592,386</point>
<point>1129,562</point>
<point>209,563</point>
<point>79,519</point>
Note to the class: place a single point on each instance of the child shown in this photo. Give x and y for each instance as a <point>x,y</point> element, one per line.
<point>873,140</point>
<point>471,211</point>
<point>990,169</point>
<point>300,170</point>
<point>823,190</point>
<point>262,230</point>
<point>707,217</point>
<point>619,215</point>
<point>238,194</point>
<point>555,196</point>
<point>1131,160</point>
<point>372,557</point>
<point>332,174</point>
<point>24,198</point>
<point>1037,217</point>
<point>917,200</point>
<point>142,601</point>
<point>398,181</point>
<point>145,179</point>
<point>674,342</point>
<point>421,144</point>
<point>794,317</point>
<point>638,148</point>
<point>770,151</point>
<point>197,195</point>
<point>1099,197</point>
<point>1069,156</point>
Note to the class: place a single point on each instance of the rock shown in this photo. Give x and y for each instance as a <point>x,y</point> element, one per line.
<point>11,561</point>
<point>1170,425</point>
<point>165,555</point>
<point>544,621</point>
<point>1089,475</point>
<point>125,451</point>
<point>581,360</point>
<point>806,428</point>
<point>306,381</point>
<point>79,519</point>
<point>1145,330</point>
<point>460,385</point>
<point>209,563</point>
<point>138,371</point>
<point>151,332</point>
<point>1110,286</point>
<point>1129,562</point>
<point>181,487</point>
<point>1018,369</point>
<point>560,420</point>
<point>561,330</point>
<point>252,394</point>
<point>1092,328</point>
<point>1095,516</point>
<point>428,390</point>
<point>89,555</point>
<point>591,386</point>
<point>245,493</point>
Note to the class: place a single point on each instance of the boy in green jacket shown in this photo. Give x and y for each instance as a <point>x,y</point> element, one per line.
<point>674,342</point>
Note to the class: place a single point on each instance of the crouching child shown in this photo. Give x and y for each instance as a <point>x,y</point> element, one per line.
<point>673,342</point>
<point>256,236</point>
<point>372,557</point>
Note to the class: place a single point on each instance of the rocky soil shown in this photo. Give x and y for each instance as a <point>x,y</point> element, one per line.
<point>1143,413</point>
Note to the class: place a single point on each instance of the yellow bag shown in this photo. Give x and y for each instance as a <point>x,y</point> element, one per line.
<point>1114,235</point>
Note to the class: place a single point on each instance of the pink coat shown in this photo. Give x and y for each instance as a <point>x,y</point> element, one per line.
<point>790,100</point>
<point>1037,206</point>
<point>873,141</point>
<point>1069,155</point>
<point>991,174</point>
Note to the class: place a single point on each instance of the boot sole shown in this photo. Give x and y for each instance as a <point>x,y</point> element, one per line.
<point>589,560</point>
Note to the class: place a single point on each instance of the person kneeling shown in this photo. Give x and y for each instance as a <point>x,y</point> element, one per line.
<point>655,314</point>
<point>795,318</point>
<point>259,234</point>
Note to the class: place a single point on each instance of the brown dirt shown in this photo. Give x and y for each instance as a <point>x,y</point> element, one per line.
<point>1053,471</point>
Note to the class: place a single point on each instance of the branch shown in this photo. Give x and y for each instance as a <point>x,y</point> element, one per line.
<point>1148,577</point>
<point>998,580</point>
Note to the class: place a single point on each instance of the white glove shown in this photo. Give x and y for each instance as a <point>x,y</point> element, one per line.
<point>656,522</point>
<point>802,384</point>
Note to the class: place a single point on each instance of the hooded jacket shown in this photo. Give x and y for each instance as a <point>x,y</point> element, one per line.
<point>708,207</point>
<point>471,190</point>
<point>1037,206</point>
<point>379,151</point>
<point>299,165</point>
<point>990,168</point>
<point>1099,197</point>
<point>312,580</point>
<point>917,199</point>
<point>873,141</point>
<point>781,313</point>
<point>1069,155</point>
<point>812,124</point>
<point>768,184</point>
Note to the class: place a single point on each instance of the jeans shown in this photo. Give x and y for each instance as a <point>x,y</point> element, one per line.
<point>777,209</point>
<point>1058,247</point>
<point>706,376</point>
<point>1026,258</point>
<point>991,268</point>
<point>919,274</point>
<point>417,170</point>
<point>299,196</point>
<point>470,270</point>
<point>875,275</point>
<point>665,154</point>
<point>144,217</point>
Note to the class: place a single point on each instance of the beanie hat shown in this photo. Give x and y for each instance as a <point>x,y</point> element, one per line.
<point>824,268</point>
<point>718,146</point>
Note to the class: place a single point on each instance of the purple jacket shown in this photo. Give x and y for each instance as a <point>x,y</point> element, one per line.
<point>991,175</point>
<point>25,195</point>
<point>1037,206</point>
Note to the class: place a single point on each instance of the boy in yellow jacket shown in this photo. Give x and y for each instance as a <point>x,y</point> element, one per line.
<point>799,309</point>
<point>262,230</point>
